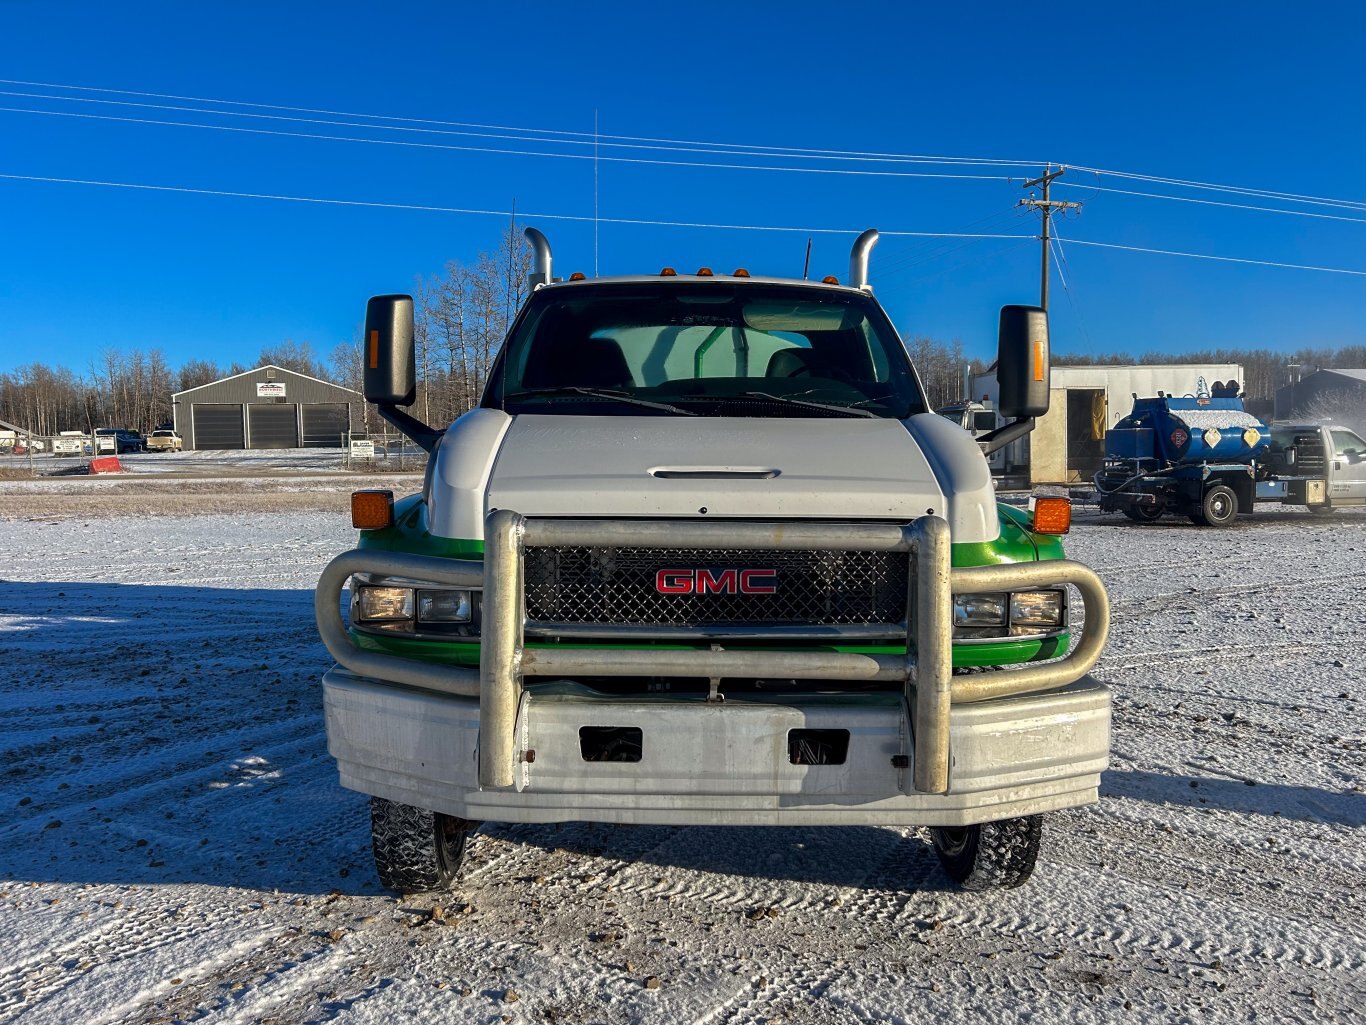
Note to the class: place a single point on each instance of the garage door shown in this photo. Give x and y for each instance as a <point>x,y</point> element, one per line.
<point>218,425</point>
<point>274,426</point>
<point>324,424</point>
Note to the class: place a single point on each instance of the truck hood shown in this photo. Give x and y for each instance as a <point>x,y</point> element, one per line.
<point>847,469</point>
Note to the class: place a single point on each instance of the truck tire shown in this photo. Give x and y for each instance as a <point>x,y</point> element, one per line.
<point>990,856</point>
<point>1218,508</point>
<point>415,850</point>
<point>1140,513</point>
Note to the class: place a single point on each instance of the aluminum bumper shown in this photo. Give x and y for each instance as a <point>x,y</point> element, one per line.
<point>929,694</point>
<point>718,764</point>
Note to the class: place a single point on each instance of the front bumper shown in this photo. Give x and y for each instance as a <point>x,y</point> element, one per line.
<point>726,762</point>
<point>718,764</point>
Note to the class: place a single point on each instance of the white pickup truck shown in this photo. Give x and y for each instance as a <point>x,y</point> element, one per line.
<point>702,555</point>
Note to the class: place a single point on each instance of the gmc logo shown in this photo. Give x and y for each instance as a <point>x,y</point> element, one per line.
<point>716,581</point>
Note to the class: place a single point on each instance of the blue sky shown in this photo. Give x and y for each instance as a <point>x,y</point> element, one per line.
<point>1243,94</point>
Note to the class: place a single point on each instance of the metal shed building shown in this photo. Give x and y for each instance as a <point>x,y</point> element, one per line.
<point>269,407</point>
<point>1324,395</point>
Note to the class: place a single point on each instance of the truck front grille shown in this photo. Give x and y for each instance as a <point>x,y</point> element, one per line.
<point>624,586</point>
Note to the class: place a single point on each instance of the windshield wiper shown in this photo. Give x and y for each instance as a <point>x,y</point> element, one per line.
<point>596,393</point>
<point>787,400</point>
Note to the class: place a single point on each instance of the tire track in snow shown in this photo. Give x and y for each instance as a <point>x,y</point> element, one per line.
<point>1222,653</point>
<point>153,781</point>
<point>800,983</point>
<point>124,937</point>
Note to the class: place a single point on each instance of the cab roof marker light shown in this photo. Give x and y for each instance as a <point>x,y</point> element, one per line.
<point>830,279</point>
<point>740,272</point>
<point>668,272</point>
<point>578,275</point>
<point>704,272</point>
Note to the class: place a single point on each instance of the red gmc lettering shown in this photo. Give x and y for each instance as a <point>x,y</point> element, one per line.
<point>722,581</point>
<point>674,581</point>
<point>758,581</point>
<point>725,581</point>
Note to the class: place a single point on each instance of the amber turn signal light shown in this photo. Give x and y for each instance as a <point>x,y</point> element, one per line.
<point>372,510</point>
<point>1052,515</point>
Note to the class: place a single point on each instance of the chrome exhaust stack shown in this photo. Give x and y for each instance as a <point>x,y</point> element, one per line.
<point>858,260</point>
<point>540,258</point>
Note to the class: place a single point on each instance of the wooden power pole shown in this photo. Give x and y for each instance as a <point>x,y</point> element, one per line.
<point>1046,206</point>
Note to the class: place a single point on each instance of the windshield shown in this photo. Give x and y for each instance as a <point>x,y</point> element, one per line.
<point>722,349</point>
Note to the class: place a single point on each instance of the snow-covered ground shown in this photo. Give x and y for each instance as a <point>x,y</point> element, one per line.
<point>175,846</point>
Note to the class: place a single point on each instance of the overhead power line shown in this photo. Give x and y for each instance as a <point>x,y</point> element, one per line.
<point>1294,197</point>
<point>739,149</point>
<point>678,146</point>
<point>1216,202</point>
<point>585,136</point>
<point>588,218</point>
<point>507,152</point>
<point>648,221</point>
<point>1222,259</point>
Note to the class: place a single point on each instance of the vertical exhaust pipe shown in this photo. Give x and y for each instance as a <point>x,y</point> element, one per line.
<point>858,260</point>
<point>540,258</point>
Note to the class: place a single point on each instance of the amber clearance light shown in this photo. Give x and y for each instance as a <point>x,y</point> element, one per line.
<point>1052,515</point>
<point>372,510</point>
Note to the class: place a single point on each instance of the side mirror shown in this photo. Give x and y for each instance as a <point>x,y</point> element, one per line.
<point>390,365</point>
<point>1022,371</point>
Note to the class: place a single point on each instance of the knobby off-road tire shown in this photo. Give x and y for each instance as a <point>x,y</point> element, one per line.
<point>1218,508</point>
<point>415,850</point>
<point>991,856</point>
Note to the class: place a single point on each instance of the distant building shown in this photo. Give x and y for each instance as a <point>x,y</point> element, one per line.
<point>269,407</point>
<point>1068,443</point>
<point>1324,395</point>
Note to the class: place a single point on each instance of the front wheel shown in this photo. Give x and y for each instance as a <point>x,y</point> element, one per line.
<point>990,856</point>
<point>415,850</point>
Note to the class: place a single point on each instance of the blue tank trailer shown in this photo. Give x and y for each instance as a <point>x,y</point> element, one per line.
<point>1207,458</point>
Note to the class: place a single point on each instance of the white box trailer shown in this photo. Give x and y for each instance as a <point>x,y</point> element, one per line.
<point>1067,445</point>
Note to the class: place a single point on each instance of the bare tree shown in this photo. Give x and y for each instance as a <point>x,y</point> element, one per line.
<point>296,356</point>
<point>196,372</point>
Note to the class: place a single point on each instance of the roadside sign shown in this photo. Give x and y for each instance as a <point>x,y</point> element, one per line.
<point>362,448</point>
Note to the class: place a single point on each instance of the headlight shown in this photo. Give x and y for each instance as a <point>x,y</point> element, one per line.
<point>384,604</point>
<point>979,609</point>
<point>443,606</point>
<point>985,617</point>
<point>1040,609</point>
<point>396,605</point>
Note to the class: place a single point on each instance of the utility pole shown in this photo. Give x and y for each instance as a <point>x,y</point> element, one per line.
<point>1047,206</point>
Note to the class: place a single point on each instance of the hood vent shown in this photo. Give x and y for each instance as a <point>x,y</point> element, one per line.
<point>714,472</point>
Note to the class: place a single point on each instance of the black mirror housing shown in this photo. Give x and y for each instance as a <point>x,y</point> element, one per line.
<point>1022,370</point>
<point>389,358</point>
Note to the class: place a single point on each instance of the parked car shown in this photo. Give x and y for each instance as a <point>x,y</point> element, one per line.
<point>164,441</point>
<point>118,440</point>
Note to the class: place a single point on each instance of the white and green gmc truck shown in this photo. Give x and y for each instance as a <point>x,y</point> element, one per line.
<point>703,556</point>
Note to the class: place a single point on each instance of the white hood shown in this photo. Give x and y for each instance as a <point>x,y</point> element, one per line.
<point>750,468</point>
